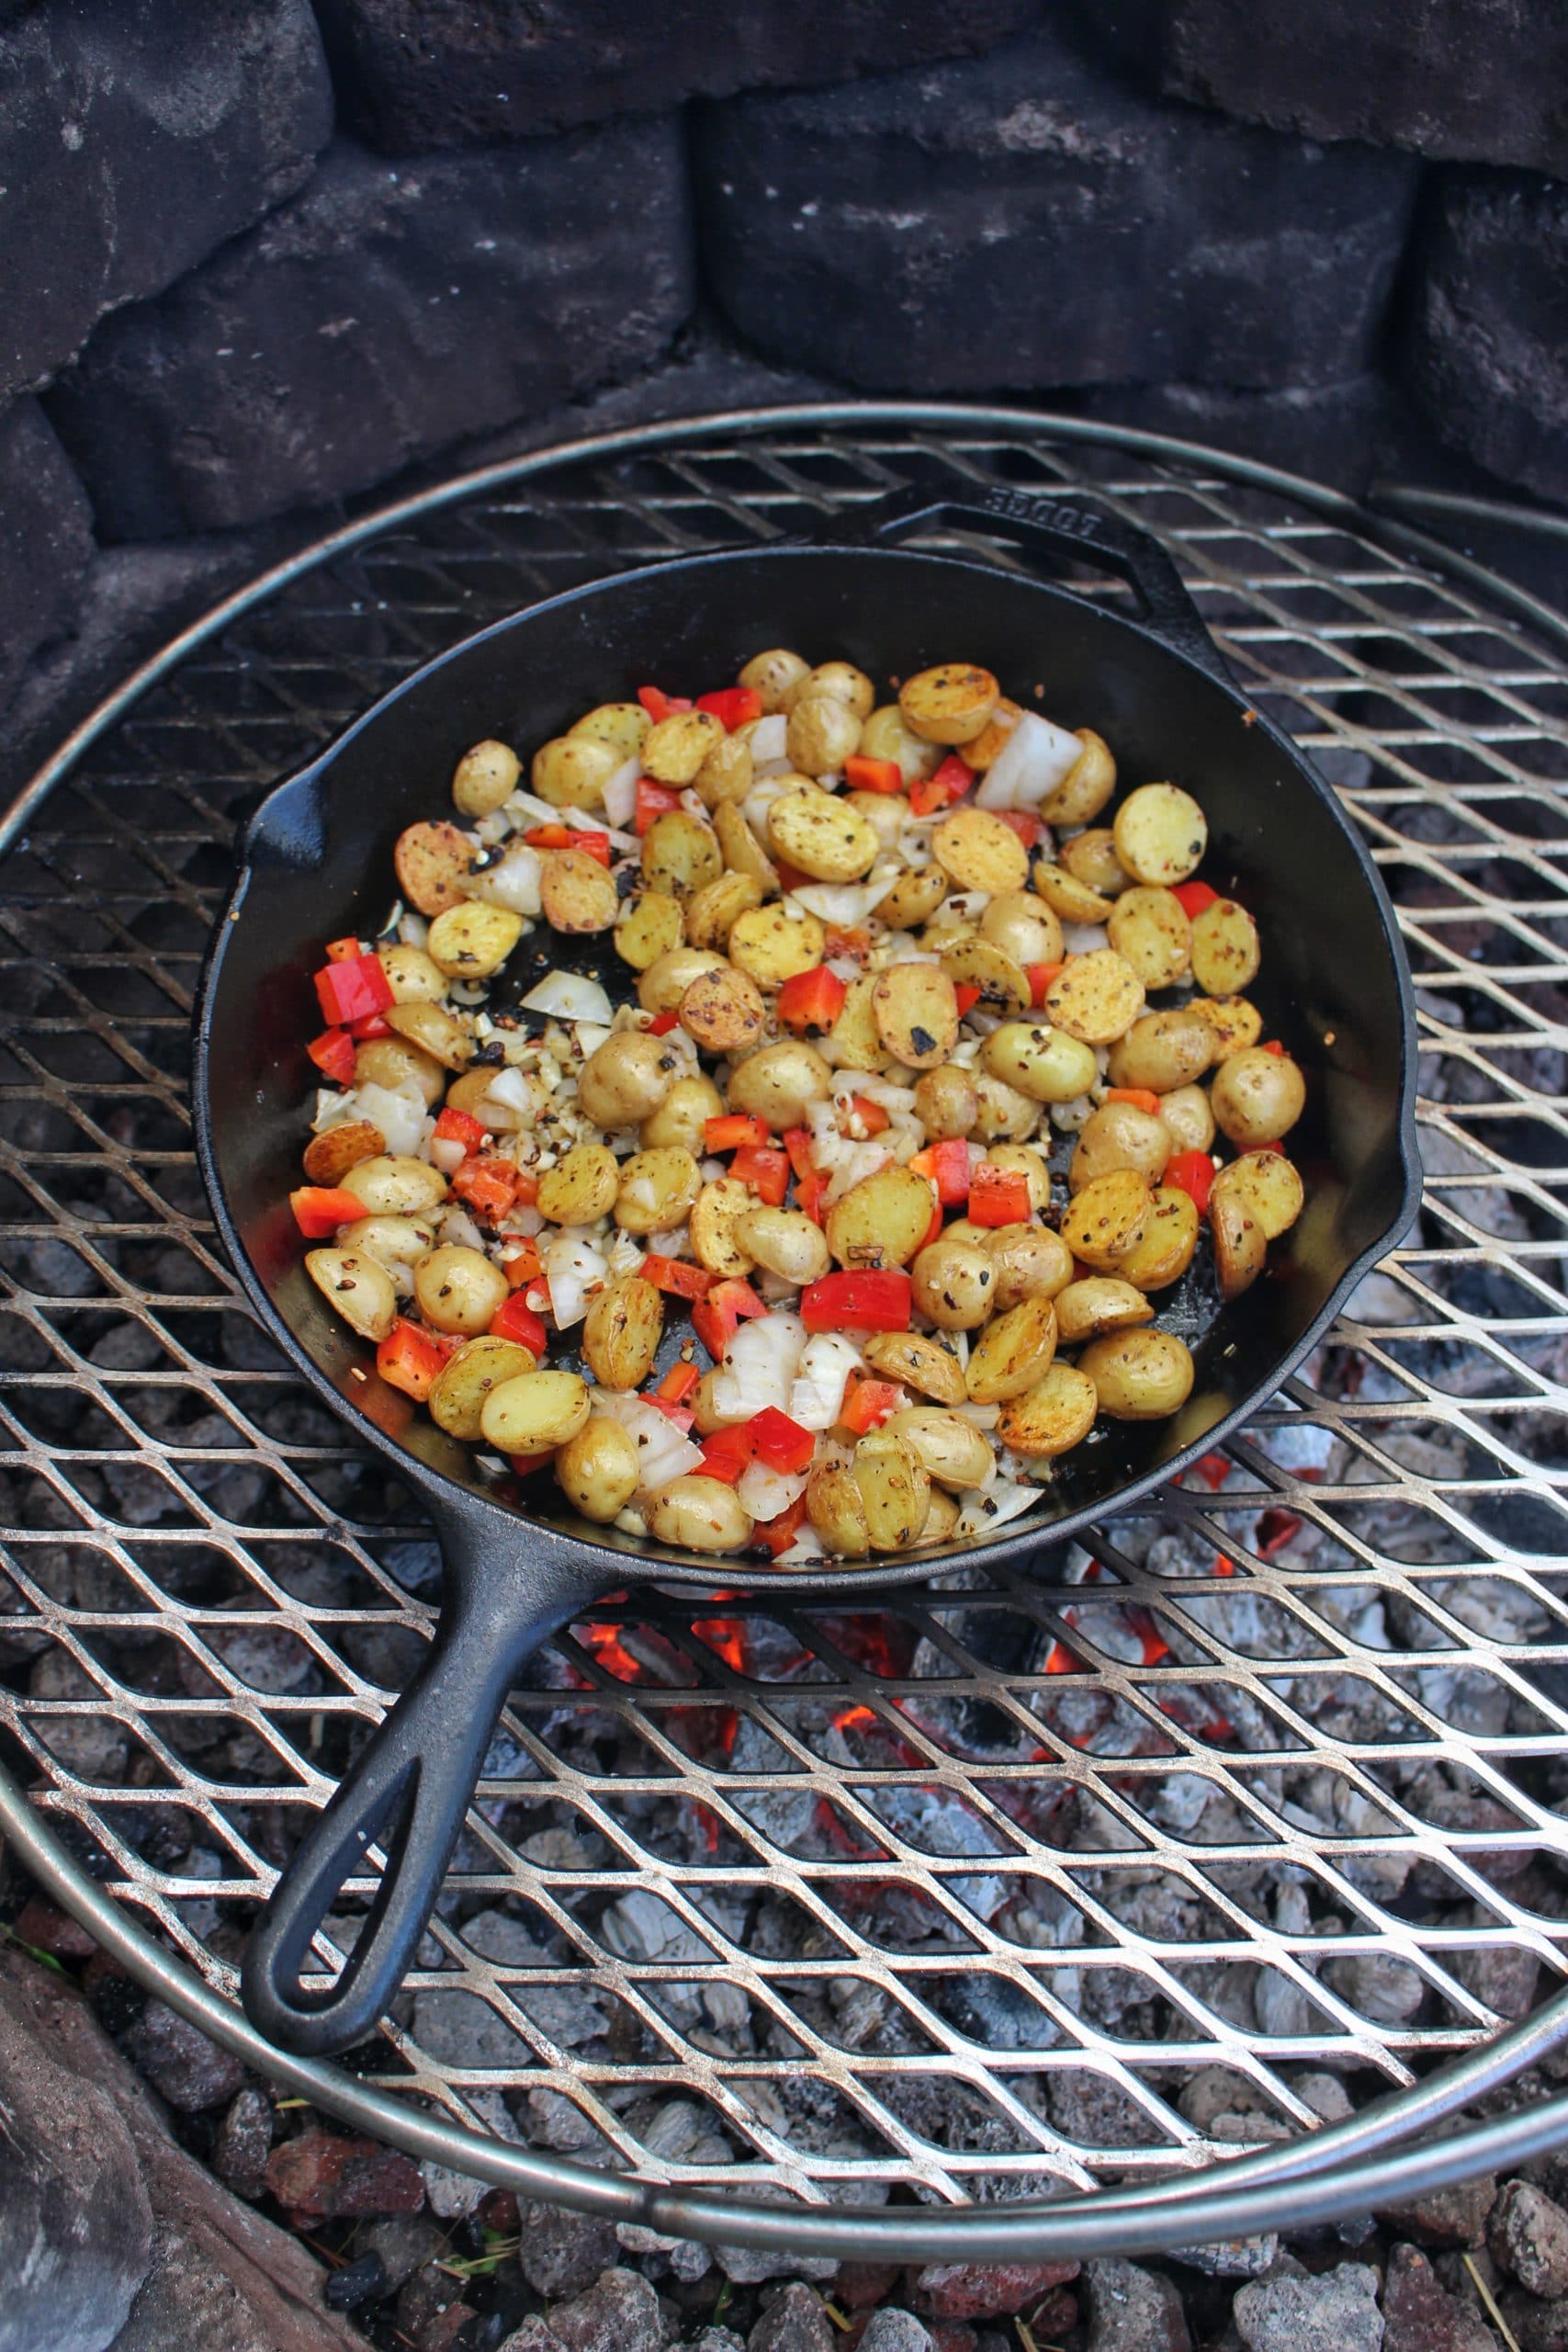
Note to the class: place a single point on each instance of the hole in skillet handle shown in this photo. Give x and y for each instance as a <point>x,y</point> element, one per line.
<point>1067,527</point>
<point>509,1586</point>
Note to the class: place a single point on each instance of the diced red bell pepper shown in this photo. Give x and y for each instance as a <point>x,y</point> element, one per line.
<point>1142,1097</point>
<point>1040,978</point>
<point>661,1024</point>
<point>524,1464</point>
<point>968,996</point>
<point>1195,897</point>
<point>798,1143</point>
<point>861,1301</point>
<point>779,1443</point>
<point>410,1359</point>
<point>808,1195</point>
<point>717,1318</point>
<point>847,939</point>
<point>1273,1144</point>
<point>868,1403</point>
<point>521,1263</point>
<point>320,1209</point>
<point>809,1002</point>
<point>342,951</point>
<point>461,1126</point>
<point>791,878</point>
<point>372,1025</point>
<point>733,707</point>
<point>516,1320</point>
<point>652,800</point>
<point>681,1415</point>
<point>947,1165</point>
<point>332,1053</point>
<point>488,1187</point>
<point>997,1195</point>
<point>872,775</point>
<point>679,1276</point>
<point>779,1534</point>
<point>767,1172</point>
<point>659,706</point>
<point>1272,1045</point>
<point>527,1187</point>
<point>727,1453</point>
<point>733,1129</point>
<point>567,837</point>
<point>1191,1172</point>
<point>351,988</point>
<point>1024,822</point>
<point>951,782</point>
<point>678,1384</point>
<point>872,1116</point>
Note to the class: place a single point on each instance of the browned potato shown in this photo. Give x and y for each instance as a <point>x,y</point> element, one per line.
<point>881,1221</point>
<point>683,1115</point>
<point>1003,1114</point>
<point>1240,1247</point>
<point>976,964</point>
<point>743,853</point>
<point>431,864</point>
<point>597,1470</point>
<point>621,1335</point>
<point>581,1187</point>
<point>1097,1304</point>
<point>330,1155</point>
<point>697,1514</point>
<point>1096,997</point>
<point>837,1511</point>
<point>913,899</point>
<point>1268,1188</point>
<point>772,674</point>
<point>714,1227</point>
<point>1186,1115</point>
<point>392,1061</point>
<point>1225,948</point>
<point>1091,858</point>
<point>945,1102</point>
<point>951,703</point>
<point>916,1012</point>
<point>576,892</point>
<point>678,853</point>
<point>623,725</point>
<point>1235,1024</point>
<point>458,1398</point>
<point>723,1010</point>
<point>726,774</point>
<point>884,735</point>
<point>854,1039</point>
<point>571,771</point>
<point>484,777</point>
<point>1023,927</point>
<point>894,1490</point>
<point>411,975</point>
<point>664,983</point>
<point>977,852</point>
<point>773,942</point>
<point>1119,1136</point>
<point>534,1412</point>
<point>357,1286</point>
<point>821,835</point>
<point>1088,785</point>
<point>711,910</point>
<point>955,1284</point>
<point>624,1079</point>
<point>1013,1354</point>
<point>1163,1051</point>
<point>1151,930</point>
<point>1161,833</point>
<point>941,1517</point>
<point>1138,1375</point>
<point>917,1362</point>
<point>823,733</point>
<point>649,925</point>
<point>951,1450</point>
<point>979,753</point>
<point>1030,1263</point>
<point>676,748</point>
<point>778,1083</point>
<point>469,940</point>
<point>1256,1096</point>
<point>1071,899</point>
<point>838,680</point>
<point>434,1030</point>
<point>1051,1418</point>
<point>1106,1218</point>
<point>658,1190</point>
<point>1164,1249</point>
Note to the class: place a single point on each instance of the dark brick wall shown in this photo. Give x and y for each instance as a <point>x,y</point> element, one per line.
<point>259,256</point>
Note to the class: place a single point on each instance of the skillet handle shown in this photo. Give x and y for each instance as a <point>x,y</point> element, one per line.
<point>410,1787</point>
<point>1068,527</point>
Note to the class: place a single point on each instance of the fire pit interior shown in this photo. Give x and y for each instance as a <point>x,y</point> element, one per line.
<point>1175,1845</point>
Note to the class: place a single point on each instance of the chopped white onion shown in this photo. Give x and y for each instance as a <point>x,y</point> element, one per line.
<point>448,1154</point>
<point>458,1230</point>
<point>412,930</point>
<point>1033,761</point>
<point>758,1367</point>
<point>769,738</point>
<point>1083,938</point>
<point>982,1514</point>
<point>570,996</point>
<point>515,1089</point>
<point>397,1111</point>
<point>572,1267</point>
<point>764,1493</point>
<point>620,793</point>
<point>663,1452</point>
<point>513,882</point>
<point>817,1393</point>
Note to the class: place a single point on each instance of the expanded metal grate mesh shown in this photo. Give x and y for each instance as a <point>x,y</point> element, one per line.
<point>1160,1852</point>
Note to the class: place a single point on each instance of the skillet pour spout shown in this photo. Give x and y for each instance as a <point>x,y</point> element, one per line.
<point>318,859</point>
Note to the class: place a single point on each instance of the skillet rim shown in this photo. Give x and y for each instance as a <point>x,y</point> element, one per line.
<point>447,1498</point>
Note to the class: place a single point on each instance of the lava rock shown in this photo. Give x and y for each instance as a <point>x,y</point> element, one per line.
<point>432,2311</point>
<point>1132,2310</point>
<point>619,2313</point>
<point>1231,2257</point>
<point>411,78</point>
<point>1470,80</point>
<point>243,2143</point>
<point>1447,2217</point>
<point>1420,2315</point>
<point>179,2061</point>
<point>1490,323</point>
<point>44,1929</point>
<point>133,140</point>
<point>321,2175</point>
<point>536,2335</point>
<point>794,2321</point>
<point>403,2244</point>
<point>562,2253</point>
<point>1335,2313</point>
<point>892,2329</point>
<point>986,2290</point>
<point>750,2266</point>
<point>1026,220</point>
<point>363,2281</point>
<point>384,312</point>
<point>861,2286</point>
<point>1528,2232</point>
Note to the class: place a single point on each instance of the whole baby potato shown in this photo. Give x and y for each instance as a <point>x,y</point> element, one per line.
<point>1044,1063</point>
<point>484,777</point>
<point>658,1192</point>
<point>955,1284</point>
<point>626,1079</point>
<point>945,1103</point>
<point>621,1334</point>
<point>535,1412</point>
<point>786,1241</point>
<point>683,1115</point>
<point>1138,1375</point>
<point>571,771</point>
<point>622,725</point>
<point>841,680</point>
<point>726,774</point>
<point>1003,1113</point>
<point>1031,1261</point>
<point>391,1240</point>
<point>823,733</point>
<point>460,1289</point>
<point>777,1083</point>
<point>667,978</point>
<point>597,1470</point>
<point>1256,1096</point>
<point>1119,1135</point>
<point>772,674</point>
<point>697,1514</point>
<point>1163,1051</point>
<point>580,1187</point>
<point>884,735</point>
<point>1185,1113</point>
<point>1023,927</point>
<point>396,1185</point>
<point>882,1221</point>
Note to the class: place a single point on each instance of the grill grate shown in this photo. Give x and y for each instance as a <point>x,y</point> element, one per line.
<point>955,1901</point>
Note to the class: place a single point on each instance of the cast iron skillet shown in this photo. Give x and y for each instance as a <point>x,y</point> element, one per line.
<point>317,861</point>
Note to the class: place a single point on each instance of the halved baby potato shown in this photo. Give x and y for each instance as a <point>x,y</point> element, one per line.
<point>951,703</point>
<point>1161,834</point>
